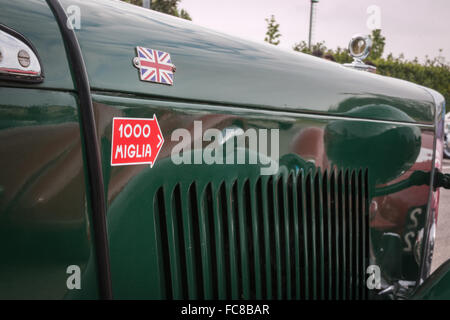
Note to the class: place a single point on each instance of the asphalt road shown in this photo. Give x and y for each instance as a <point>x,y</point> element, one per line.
<point>442,244</point>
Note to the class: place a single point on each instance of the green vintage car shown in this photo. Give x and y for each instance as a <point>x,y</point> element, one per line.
<point>144,157</point>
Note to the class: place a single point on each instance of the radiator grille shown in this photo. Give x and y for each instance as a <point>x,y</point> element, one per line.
<point>297,235</point>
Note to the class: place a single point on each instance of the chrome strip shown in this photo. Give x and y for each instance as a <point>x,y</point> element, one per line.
<point>18,60</point>
<point>428,238</point>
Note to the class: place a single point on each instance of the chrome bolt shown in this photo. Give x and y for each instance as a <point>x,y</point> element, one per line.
<point>24,58</point>
<point>136,62</point>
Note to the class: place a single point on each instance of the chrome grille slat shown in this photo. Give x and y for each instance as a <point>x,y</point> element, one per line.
<point>297,235</point>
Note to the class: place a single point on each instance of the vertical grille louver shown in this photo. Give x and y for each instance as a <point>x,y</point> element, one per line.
<point>297,235</point>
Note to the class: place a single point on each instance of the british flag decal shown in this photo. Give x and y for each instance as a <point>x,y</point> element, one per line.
<point>154,65</point>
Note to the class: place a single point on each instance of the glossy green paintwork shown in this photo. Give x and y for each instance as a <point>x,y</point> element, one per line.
<point>214,67</point>
<point>437,286</point>
<point>130,189</point>
<point>347,144</point>
<point>44,209</point>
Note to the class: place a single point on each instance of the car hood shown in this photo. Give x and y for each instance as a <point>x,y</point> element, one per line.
<point>216,68</point>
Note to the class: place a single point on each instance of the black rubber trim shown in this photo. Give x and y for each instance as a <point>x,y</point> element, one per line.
<point>22,78</point>
<point>92,149</point>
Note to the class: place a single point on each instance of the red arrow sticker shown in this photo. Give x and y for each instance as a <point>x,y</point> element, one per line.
<point>135,141</point>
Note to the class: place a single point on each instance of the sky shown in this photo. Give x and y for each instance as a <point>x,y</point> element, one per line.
<point>415,28</point>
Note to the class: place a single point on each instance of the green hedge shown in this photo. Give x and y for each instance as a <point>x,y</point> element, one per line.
<point>432,74</point>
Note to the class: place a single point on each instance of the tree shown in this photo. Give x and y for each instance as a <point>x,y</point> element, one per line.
<point>302,46</point>
<point>342,55</point>
<point>434,73</point>
<point>185,15</point>
<point>318,49</point>
<point>165,6</point>
<point>272,33</point>
<point>378,42</point>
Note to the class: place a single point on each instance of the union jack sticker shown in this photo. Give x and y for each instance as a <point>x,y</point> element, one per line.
<point>154,65</point>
